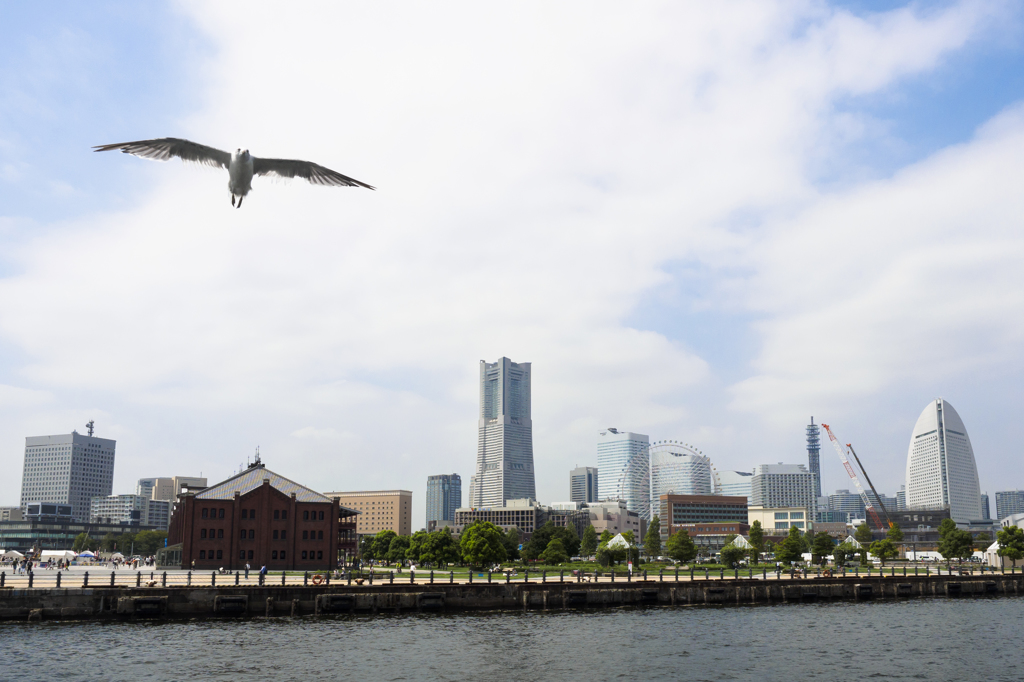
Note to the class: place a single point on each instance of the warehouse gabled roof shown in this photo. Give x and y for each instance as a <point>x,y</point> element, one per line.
<point>252,478</point>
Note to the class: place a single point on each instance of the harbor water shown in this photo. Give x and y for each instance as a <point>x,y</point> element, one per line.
<point>920,639</point>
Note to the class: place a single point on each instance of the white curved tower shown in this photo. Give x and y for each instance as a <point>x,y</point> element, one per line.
<point>941,471</point>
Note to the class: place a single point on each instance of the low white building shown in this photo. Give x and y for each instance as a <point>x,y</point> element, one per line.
<point>992,557</point>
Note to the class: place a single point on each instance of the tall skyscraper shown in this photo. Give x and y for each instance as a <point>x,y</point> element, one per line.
<point>782,485</point>
<point>1009,502</point>
<point>735,483</point>
<point>985,508</point>
<point>444,496</point>
<point>901,499</point>
<point>68,469</point>
<point>814,455</point>
<point>583,484</point>
<point>615,450</point>
<point>504,457</point>
<point>941,471</point>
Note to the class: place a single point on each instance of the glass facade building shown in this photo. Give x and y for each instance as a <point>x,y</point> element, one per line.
<point>504,461</point>
<point>68,469</point>
<point>444,496</point>
<point>615,450</point>
<point>583,484</point>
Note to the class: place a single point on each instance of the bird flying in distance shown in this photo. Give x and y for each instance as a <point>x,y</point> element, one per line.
<point>241,165</point>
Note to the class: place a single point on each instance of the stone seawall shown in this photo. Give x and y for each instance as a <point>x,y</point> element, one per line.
<point>255,601</point>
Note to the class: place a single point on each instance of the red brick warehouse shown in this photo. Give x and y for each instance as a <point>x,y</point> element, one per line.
<point>263,519</point>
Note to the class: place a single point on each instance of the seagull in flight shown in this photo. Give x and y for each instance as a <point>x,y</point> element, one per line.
<point>241,165</point>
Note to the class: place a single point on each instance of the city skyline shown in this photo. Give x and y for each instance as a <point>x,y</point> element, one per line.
<point>698,222</point>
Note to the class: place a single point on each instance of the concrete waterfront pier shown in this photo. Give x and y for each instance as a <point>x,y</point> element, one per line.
<point>127,602</point>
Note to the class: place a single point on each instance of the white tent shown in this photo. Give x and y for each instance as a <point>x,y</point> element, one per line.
<point>992,558</point>
<point>14,554</point>
<point>58,554</point>
<point>117,555</point>
<point>618,541</point>
<point>741,542</point>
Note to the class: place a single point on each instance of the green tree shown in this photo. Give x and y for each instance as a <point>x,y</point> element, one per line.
<point>731,554</point>
<point>603,556</point>
<point>606,535</point>
<point>382,543</point>
<point>481,544</point>
<point>396,551</point>
<point>680,546</point>
<point>652,541</point>
<point>629,536</point>
<point>588,544</point>
<point>953,542</point>
<point>757,540</point>
<point>863,534</point>
<point>416,546</point>
<point>895,533</point>
<point>884,549</point>
<point>554,553</point>
<point>570,539</point>
<point>729,537</point>
<point>147,542</point>
<point>511,540</point>
<point>790,549</point>
<point>439,549</point>
<point>842,553</point>
<point>807,539</point>
<point>366,547</point>
<point>821,547</point>
<point>109,542</point>
<point>982,540</point>
<point>83,543</point>
<point>1011,542</point>
<point>539,541</point>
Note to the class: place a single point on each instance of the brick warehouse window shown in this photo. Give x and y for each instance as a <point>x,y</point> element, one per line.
<point>275,537</point>
<point>305,516</point>
<point>250,554</point>
<point>305,535</point>
<point>273,555</point>
<point>320,535</point>
<point>202,554</point>
<point>277,514</point>
<point>220,534</point>
<point>245,513</point>
<point>321,516</point>
<point>252,535</point>
<point>206,512</point>
<point>284,514</point>
<point>220,553</point>
<point>242,536</point>
<point>252,513</point>
<point>241,554</point>
<point>282,554</point>
<point>220,513</point>
<point>319,555</point>
<point>303,554</point>
<point>202,533</point>
<point>284,534</point>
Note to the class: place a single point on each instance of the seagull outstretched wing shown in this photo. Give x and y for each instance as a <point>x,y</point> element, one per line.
<point>164,148</point>
<point>314,173</point>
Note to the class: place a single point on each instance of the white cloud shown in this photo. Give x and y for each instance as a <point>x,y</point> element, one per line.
<point>538,166</point>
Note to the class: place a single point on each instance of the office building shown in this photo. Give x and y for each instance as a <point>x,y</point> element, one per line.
<point>616,450</point>
<point>985,514</point>
<point>615,517</point>
<point>734,483</point>
<point>68,469</point>
<point>11,514</point>
<point>844,501</point>
<point>679,469</point>
<point>379,510</point>
<point>444,496</point>
<point>1009,502</point>
<point>124,510</point>
<point>675,511</point>
<point>261,518</point>
<point>168,488</point>
<point>778,520</point>
<point>814,455</point>
<point>156,513</point>
<point>901,498</point>
<point>525,514</point>
<point>504,461</point>
<point>941,471</point>
<point>52,532</point>
<point>583,484</point>
<point>782,485</point>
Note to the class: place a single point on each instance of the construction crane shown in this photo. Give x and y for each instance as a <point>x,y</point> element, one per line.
<point>868,504</point>
<point>878,497</point>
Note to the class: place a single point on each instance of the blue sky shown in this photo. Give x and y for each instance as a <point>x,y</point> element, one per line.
<point>714,287</point>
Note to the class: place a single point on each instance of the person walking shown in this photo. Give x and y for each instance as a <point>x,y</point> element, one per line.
<point>247,570</point>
